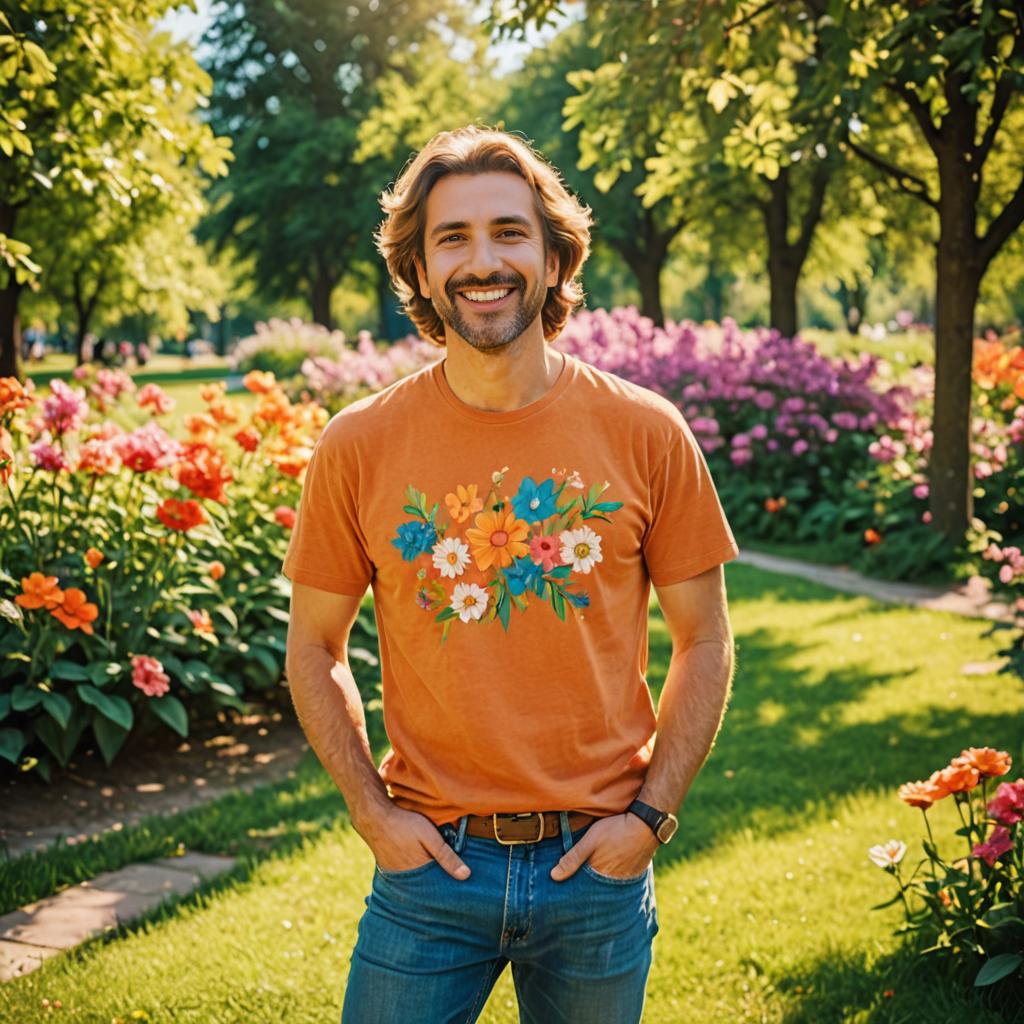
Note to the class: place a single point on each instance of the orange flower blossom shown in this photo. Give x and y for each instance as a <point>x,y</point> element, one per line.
<point>39,591</point>
<point>76,612</point>
<point>180,515</point>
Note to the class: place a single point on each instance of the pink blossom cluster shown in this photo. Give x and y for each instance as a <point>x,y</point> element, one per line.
<point>153,397</point>
<point>743,390</point>
<point>365,367</point>
<point>108,387</point>
<point>64,409</point>
<point>147,448</point>
<point>999,842</point>
<point>1007,806</point>
<point>1010,561</point>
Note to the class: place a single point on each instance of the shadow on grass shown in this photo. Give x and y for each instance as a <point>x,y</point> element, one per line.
<point>902,988</point>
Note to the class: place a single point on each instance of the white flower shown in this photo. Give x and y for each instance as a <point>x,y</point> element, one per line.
<point>451,556</point>
<point>889,855</point>
<point>469,600</point>
<point>581,548</point>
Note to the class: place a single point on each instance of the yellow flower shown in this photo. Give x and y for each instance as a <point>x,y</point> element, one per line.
<point>463,503</point>
<point>498,539</point>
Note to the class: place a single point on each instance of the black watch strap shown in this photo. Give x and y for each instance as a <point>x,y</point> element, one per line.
<point>662,823</point>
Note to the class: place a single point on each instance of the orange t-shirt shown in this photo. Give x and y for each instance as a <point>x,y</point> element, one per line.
<point>511,556</point>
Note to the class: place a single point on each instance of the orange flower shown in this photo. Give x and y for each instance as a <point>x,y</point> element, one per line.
<point>201,427</point>
<point>39,591</point>
<point>771,505</point>
<point>14,396</point>
<point>76,612</point>
<point>958,778</point>
<point>203,472</point>
<point>273,407</point>
<point>216,570</point>
<point>259,383</point>
<point>498,538</point>
<point>93,557</point>
<point>463,503</point>
<point>294,461</point>
<point>922,794</point>
<point>180,515</point>
<point>945,897</point>
<point>6,456</point>
<point>985,760</point>
<point>213,392</point>
<point>225,412</point>
<point>201,621</point>
<point>872,536</point>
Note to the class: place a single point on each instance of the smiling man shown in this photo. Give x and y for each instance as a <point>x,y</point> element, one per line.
<point>511,508</point>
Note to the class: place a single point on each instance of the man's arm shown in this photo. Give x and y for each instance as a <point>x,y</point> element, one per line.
<point>330,711</point>
<point>696,688</point>
<point>689,714</point>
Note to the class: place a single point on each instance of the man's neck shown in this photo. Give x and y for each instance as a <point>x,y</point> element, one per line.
<point>521,373</point>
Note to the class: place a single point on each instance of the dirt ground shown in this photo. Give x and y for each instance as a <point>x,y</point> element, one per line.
<point>159,774</point>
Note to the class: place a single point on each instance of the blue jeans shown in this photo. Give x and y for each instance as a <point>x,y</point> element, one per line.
<point>431,947</point>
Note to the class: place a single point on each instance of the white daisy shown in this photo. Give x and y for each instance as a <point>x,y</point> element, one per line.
<point>451,556</point>
<point>889,855</point>
<point>581,548</point>
<point>469,600</point>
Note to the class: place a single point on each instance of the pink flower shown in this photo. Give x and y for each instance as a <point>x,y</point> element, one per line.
<point>758,432</point>
<point>152,395</point>
<point>1007,807</point>
<point>65,410</point>
<point>98,456</point>
<point>799,447</point>
<point>148,448</point>
<point>285,516</point>
<point>740,456</point>
<point>49,456</point>
<point>998,843</point>
<point>545,551</point>
<point>149,676</point>
<point>921,491</point>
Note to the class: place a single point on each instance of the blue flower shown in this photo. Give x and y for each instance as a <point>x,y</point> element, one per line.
<point>534,502</point>
<point>581,600</point>
<point>523,574</point>
<point>414,538</point>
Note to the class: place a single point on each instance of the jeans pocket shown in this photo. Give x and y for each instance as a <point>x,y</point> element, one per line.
<point>609,880</point>
<point>407,873</point>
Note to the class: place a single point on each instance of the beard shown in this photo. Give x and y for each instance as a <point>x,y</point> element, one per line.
<point>491,331</point>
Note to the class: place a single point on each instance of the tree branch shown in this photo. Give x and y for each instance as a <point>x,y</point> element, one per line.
<point>1000,101</point>
<point>900,176</point>
<point>932,135</point>
<point>757,12</point>
<point>1011,218</point>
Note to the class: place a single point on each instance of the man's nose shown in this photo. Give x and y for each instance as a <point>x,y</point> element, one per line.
<point>483,259</point>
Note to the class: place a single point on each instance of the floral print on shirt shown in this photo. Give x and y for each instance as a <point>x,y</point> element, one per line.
<point>532,546</point>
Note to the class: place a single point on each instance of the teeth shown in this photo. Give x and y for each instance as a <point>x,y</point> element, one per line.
<point>487,296</point>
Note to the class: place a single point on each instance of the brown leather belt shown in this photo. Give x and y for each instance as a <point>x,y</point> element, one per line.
<point>527,827</point>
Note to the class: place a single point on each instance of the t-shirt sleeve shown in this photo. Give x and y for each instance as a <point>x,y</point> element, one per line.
<point>328,549</point>
<point>688,532</point>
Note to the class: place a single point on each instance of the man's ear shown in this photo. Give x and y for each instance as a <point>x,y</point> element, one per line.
<point>421,276</point>
<point>551,278</point>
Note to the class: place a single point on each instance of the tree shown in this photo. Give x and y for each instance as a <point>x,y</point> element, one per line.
<point>90,100</point>
<point>295,83</point>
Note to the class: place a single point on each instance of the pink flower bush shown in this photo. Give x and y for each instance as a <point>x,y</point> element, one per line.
<point>65,409</point>
<point>149,676</point>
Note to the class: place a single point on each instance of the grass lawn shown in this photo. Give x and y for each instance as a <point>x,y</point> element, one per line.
<point>763,899</point>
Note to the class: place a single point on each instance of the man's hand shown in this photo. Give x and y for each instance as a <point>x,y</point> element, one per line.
<point>401,840</point>
<point>620,846</point>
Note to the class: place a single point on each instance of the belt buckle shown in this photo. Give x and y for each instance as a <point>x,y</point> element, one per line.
<point>518,817</point>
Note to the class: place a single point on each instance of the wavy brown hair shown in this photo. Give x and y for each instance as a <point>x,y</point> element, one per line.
<point>565,221</point>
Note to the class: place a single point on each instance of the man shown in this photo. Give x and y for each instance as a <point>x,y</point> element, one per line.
<point>510,506</point>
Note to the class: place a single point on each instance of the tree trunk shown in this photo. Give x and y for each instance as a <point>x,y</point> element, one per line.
<point>10,325</point>
<point>648,276</point>
<point>714,293</point>
<point>324,280</point>
<point>646,256</point>
<point>853,300</point>
<point>957,280</point>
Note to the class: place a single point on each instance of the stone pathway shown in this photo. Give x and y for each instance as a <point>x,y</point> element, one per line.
<point>40,930</point>
<point>971,599</point>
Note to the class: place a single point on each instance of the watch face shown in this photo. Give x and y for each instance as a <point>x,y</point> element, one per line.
<point>667,829</point>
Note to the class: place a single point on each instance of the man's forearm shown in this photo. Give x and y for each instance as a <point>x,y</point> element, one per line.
<point>690,713</point>
<point>330,710</point>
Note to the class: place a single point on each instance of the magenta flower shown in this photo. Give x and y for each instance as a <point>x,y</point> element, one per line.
<point>49,457</point>
<point>65,409</point>
<point>1007,807</point>
<point>998,843</point>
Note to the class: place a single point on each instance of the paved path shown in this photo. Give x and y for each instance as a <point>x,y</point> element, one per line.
<point>972,598</point>
<point>40,930</point>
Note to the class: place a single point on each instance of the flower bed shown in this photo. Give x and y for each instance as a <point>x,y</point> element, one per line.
<point>140,581</point>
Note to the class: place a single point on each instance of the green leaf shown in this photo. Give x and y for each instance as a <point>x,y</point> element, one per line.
<point>280,614</point>
<point>61,743</point>
<point>12,741</point>
<point>5,705</point>
<point>446,614</point>
<point>109,736</point>
<point>558,603</point>
<point>117,709</point>
<point>59,708</point>
<point>560,572</point>
<point>25,697</point>
<point>61,669</point>
<point>411,509</point>
<point>504,609</point>
<point>101,672</point>
<point>171,711</point>
<point>998,968</point>
<point>228,615</point>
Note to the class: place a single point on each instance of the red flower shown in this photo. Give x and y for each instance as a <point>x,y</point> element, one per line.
<point>203,472</point>
<point>180,515</point>
<point>248,439</point>
<point>998,843</point>
<point>872,536</point>
<point>149,676</point>
<point>285,516</point>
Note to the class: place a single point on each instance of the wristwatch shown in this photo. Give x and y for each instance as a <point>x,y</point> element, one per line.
<point>662,823</point>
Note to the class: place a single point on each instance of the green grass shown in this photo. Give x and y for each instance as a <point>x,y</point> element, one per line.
<point>763,898</point>
<point>162,367</point>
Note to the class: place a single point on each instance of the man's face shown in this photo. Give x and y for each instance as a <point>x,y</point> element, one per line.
<point>482,237</point>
